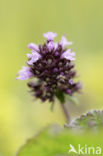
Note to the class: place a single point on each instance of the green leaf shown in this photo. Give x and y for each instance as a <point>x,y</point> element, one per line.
<point>52,107</point>
<point>72,99</point>
<point>90,120</point>
<point>54,141</point>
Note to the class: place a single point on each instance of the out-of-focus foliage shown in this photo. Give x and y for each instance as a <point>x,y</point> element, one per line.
<point>22,22</point>
<point>55,141</point>
<point>91,121</point>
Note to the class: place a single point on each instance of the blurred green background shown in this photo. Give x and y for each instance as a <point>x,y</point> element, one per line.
<point>22,22</point>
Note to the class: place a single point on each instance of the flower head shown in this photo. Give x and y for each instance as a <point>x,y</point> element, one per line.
<point>52,65</point>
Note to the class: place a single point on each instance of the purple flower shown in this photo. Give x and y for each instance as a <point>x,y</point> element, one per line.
<point>64,42</point>
<point>68,55</point>
<point>35,56</point>
<point>50,46</point>
<point>50,36</point>
<point>33,47</point>
<point>71,81</point>
<point>52,65</point>
<point>25,73</point>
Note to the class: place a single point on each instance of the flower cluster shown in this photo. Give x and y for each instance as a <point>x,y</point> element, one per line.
<point>52,65</point>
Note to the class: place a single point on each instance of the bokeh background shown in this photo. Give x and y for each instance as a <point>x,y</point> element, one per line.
<point>22,22</point>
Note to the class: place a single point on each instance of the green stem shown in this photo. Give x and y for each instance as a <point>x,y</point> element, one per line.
<point>65,112</point>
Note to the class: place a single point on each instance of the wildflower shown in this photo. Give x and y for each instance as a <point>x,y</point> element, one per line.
<point>64,42</point>
<point>50,36</point>
<point>33,57</point>
<point>25,73</point>
<point>52,65</point>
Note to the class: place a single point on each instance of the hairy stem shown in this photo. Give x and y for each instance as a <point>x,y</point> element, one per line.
<point>65,112</point>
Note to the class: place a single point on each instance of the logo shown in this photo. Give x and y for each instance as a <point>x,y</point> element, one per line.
<point>84,149</point>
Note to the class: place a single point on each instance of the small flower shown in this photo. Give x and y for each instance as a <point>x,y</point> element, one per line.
<point>25,73</point>
<point>64,42</point>
<point>33,47</point>
<point>35,56</point>
<point>50,36</point>
<point>71,81</point>
<point>52,65</point>
<point>68,55</point>
<point>50,46</point>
